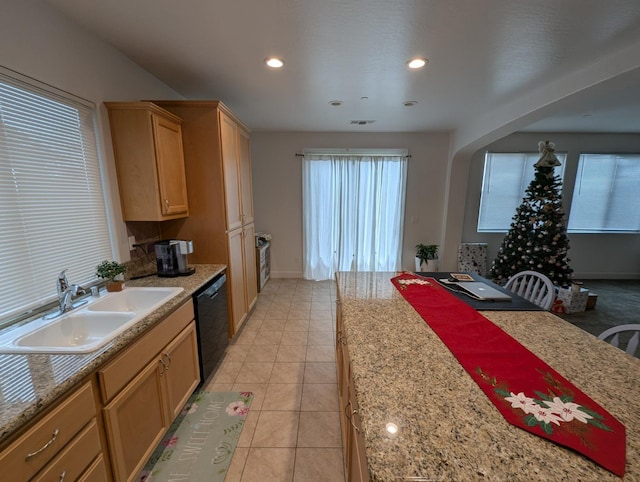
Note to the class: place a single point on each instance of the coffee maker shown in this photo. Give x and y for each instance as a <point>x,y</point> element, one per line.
<point>171,257</point>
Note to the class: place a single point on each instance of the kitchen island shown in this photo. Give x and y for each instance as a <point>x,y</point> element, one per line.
<point>401,375</point>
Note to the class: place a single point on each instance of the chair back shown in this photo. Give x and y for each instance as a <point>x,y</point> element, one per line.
<point>532,286</point>
<point>614,333</point>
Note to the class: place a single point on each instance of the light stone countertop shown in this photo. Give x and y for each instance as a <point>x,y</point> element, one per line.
<point>448,429</point>
<point>30,383</point>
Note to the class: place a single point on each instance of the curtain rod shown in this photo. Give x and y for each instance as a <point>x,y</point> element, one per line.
<point>298,154</point>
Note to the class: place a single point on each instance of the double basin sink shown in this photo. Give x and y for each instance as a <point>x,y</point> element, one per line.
<point>89,328</point>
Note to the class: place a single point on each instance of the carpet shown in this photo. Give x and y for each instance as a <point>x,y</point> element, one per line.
<point>200,443</point>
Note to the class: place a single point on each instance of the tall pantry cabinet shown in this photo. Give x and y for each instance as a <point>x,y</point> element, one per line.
<point>220,223</point>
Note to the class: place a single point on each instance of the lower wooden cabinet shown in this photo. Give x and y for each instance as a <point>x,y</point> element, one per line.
<point>135,422</point>
<point>126,406</point>
<point>145,387</point>
<point>74,460</point>
<point>242,275</point>
<point>355,461</point>
<point>65,441</point>
<point>355,458</point>
<point>140,415</point>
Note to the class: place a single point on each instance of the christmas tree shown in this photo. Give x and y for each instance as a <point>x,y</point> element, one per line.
<point>537,239</point>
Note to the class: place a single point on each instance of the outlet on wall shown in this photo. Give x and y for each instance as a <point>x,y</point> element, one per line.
<point>132,241</point>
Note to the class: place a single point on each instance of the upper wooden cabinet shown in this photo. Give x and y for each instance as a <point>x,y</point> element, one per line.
<point>147,145</point>
<point>220,223</point>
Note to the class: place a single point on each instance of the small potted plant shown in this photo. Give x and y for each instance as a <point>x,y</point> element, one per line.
<point>427,257</point>
<point>110,270</point>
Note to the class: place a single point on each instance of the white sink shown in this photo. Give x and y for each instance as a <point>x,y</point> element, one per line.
<point>81,332</point>
<point>134,299</point>
<point>90,328</point>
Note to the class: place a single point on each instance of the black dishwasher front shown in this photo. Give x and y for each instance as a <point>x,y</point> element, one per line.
<point>212,323</point>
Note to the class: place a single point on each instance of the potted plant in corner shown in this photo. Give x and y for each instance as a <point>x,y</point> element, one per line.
<point>427,257</point>
<point>109,270</point>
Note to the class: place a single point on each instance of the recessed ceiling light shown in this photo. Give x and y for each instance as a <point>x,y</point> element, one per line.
<point>335,103</point>
<point>410,103</point>
<point>274,62</point>
<point>417,63</point>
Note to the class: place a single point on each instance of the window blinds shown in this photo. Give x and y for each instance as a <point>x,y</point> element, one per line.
<point>52,208</point>
<point>505,180</point>
<point>605,197</point>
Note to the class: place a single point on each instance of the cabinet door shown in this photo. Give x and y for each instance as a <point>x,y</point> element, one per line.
<point>235,272</point>
<point>183,373</point>
<point>244,152</point>
<point>251,286</point>
<point>342,366</point>
<point>357,461</point>
<point>230,162</point>
<point>136,420</point>
<point>170,162</point>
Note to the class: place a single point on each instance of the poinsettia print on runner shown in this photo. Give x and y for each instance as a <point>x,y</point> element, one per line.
<point>548,408</point>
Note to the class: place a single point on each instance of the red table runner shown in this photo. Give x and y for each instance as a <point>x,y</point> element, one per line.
<point>528,393</point>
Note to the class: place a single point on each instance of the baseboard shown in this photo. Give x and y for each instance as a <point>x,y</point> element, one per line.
<point>286,274</point>
<point>581,276</point>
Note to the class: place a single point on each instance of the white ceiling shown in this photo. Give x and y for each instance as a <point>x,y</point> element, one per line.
<point>484,55</point>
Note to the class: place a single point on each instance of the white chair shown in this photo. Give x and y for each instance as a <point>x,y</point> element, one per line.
<point>632,346</point>
<point>532,286</point>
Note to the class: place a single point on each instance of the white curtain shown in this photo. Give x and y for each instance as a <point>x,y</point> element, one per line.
<point>353,210</point>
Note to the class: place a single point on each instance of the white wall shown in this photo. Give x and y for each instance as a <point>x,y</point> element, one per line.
<point>277,187</point>
<point>612,256</point>
<point>38,42</point>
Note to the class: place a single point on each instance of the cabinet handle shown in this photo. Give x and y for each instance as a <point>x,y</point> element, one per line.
<point>166,205</point>
<point>168,359</point>
<point>44,447</point>
<point>347,414</point>
<point>164,366</point>
<point>63,475</point>
<point>351,421</point>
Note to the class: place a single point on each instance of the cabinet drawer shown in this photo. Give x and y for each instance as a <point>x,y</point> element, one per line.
<point>29,453</point>
<point>96,472</point>
<point>116,374</point>
<point>75,457</point>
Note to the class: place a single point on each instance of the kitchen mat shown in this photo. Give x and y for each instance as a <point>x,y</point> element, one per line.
<point>200,443</point>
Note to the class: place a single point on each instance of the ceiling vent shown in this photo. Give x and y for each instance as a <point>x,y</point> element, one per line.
<point>362,122</point>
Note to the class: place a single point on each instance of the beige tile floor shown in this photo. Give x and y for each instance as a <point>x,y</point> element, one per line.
<point>284,354</point>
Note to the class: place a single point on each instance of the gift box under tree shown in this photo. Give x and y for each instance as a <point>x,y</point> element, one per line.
<point>572,301</point>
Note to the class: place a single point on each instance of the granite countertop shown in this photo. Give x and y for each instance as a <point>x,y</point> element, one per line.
<point>30,383</point>
<point>448,428</point>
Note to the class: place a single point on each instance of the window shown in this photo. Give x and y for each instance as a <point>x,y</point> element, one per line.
<point>505,180</point>
<point>353,209</point>
<point>52,208</point>
<point>605,196</point>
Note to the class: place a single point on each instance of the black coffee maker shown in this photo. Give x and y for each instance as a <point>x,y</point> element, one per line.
<point>171,257</point>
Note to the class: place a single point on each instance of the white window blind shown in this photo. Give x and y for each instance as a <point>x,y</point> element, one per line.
<point>605,196</point>
<point>52,209</point>
<point>505,180</point>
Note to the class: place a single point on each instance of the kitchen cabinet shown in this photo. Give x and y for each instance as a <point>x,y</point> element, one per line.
<point>355,462</point>
<point>221,222</point>
<point>244,286</point>
<point>64,443</point>
<point>145,387</point>
<point>148,150</point>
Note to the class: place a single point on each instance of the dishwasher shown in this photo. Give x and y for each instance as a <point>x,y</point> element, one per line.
<point>210,303</point>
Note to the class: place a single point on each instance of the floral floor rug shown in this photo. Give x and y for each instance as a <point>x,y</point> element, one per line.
<point>200,443</point>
